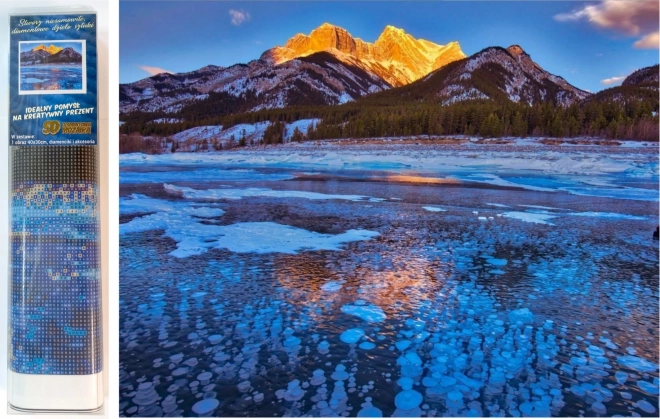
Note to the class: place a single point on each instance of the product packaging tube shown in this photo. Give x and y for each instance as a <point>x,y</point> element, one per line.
<point>54,308</point>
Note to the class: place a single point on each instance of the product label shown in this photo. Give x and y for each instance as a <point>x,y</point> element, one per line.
<point>53,80</point>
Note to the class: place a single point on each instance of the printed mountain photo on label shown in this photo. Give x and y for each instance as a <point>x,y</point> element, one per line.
<point>389,209</point>
<point>53,66</point>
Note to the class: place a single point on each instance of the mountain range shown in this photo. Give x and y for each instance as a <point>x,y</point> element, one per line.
<point>331,67</point>
<point>327,67</point>
<point>42,54</point>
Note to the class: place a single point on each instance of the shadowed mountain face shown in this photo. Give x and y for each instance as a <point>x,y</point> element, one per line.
<point>52,54</point>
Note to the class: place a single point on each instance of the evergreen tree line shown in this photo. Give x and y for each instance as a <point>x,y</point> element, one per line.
<point>610,120</point>
<point>625,118</point>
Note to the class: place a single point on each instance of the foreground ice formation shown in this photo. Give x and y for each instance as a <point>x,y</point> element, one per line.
<point>333,301</point>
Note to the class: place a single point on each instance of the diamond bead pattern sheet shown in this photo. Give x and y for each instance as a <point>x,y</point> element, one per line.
<point>56,288</point>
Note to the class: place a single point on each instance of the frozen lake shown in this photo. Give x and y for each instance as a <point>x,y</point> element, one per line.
<point>391,280</point>
<point>52,77</point>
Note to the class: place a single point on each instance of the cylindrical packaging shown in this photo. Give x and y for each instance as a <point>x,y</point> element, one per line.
<point>55,324</point>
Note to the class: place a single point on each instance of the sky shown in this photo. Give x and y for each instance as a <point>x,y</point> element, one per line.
<point>594,45</point>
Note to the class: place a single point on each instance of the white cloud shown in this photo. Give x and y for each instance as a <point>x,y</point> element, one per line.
<point>154,70</point>
<point>650,41</point>
<point>613,80</point>
<point>238,17</point>
<point>637,18</point>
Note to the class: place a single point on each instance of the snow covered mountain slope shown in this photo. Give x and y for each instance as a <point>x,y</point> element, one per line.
<point>318,79</point>
<point>494,73</point>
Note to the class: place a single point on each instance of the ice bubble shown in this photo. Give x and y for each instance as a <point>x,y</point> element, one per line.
<point>527,408</point>
<point>455,399</point>
<point>636,363</point>
<point>180,371</point>
<point>578,391</point>
<point>599,408</point>
<point>497,378</point>
<point>367,345</point>
<point>215,339</point>
<point>621,377</point>
<point>318,378</point>
<point>370,412</point>
<point>647,387</point>
<point>244,386</point>
<point>351,335</point>
<point>369,313</point>
<point>626,395</point>
<point>331,286</point>
<point>402,345</point>
<point>406,383</point>
<point>595,351</point>
<point>294,392</point>
<point>410,358</point>
<point>340,373</point>
<point>258,398</point>
<point>430,381</point>
<point>447,381</point>
<point>205,376</point>
<point>205,407</point>
<point>291,341</point>
<point>323,346</point>
<point>646,406</point>
<point>522,315</point>
<point>408,399</point>
<point>146,395</point>
<point>497,262</point>
<point>191,362</point>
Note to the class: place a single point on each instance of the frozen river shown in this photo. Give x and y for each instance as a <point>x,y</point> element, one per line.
<point>329,279</point>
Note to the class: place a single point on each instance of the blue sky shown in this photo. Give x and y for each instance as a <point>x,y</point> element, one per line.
<point>584,42</point>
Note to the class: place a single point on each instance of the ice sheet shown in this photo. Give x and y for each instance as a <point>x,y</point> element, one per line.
<point>191,193</point>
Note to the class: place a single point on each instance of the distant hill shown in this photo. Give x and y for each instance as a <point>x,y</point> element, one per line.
<point>639,90</point>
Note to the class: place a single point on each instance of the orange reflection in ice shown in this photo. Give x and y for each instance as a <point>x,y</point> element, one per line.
<point>420,179</point>
<point>396,283</point>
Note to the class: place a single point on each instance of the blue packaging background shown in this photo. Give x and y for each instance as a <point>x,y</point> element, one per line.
<point>18,103</point>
